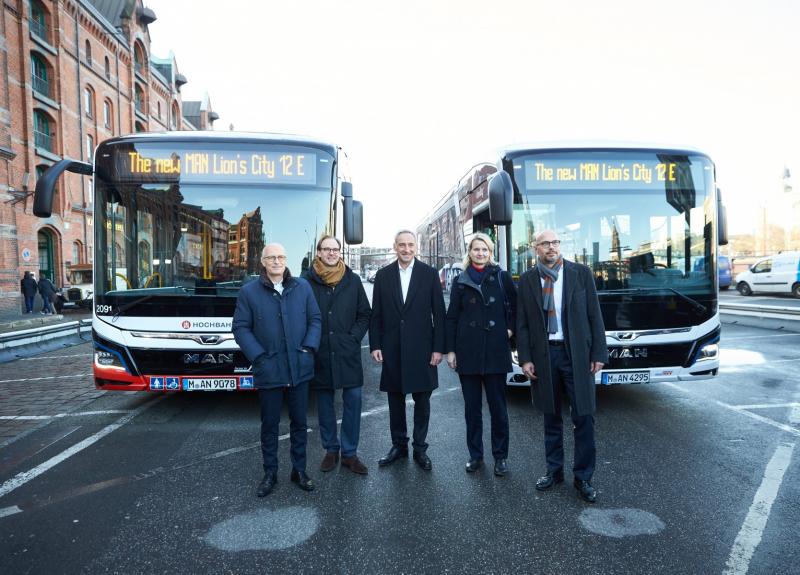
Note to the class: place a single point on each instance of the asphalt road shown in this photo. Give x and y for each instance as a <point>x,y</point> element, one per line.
<point>692,478</point>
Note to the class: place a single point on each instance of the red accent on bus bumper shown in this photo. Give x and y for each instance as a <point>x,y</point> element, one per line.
<point>118,380</point>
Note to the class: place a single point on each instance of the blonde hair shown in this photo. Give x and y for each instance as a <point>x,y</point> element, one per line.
<point>480,236</point>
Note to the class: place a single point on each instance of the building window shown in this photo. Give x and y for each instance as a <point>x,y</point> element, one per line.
<point>159,110</point>
<point>107,119</point>
<point>77,252</point>
<point>139,127</point>
<point>88,101</point>
<point>108,68</point>
<point>89,147</point>
<point>39,79</point>
<point>88,52</point>
<point>173,119</point>
<point>139,59</point>
<point>38,20</point>
<point>43,131</point>
<point>139,101</point>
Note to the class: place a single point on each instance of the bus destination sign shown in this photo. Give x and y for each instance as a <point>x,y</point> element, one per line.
<point>253,166</point>
<point>560,173</point>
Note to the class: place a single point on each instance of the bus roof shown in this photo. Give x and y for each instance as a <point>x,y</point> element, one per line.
<point>208,136</point>
<point>596,145</point>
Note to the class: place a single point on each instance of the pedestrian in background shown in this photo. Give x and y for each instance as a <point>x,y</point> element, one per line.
<point>561,343</point>
<point>47,290</point>
<point>480,323</point>
<point>406,336</point>
<point>29,289</point>
<point>277,326</point>
<point>345,313</point>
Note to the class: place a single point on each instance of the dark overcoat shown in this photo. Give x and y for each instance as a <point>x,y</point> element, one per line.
<point>583,328</point>
<point>407,333</point>
<point>29,286</point>
<point>272,330</point>
<point>477,322</point>
<point>47,289</point>
<point>345,320</point>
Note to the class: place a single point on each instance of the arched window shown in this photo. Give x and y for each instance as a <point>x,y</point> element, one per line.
<point>88,52</point>
<point>139,100</point>
<point>77,252</point>
<point>174,117</point>
<point>108,116</point>
<point>159,109</point>
<point>108,68</point>
<point>88,101</point>
<point>38,20</point>
<point>139,58</point>
<point>43,131</point>
<point>39,79</point>
<point>89,147</point>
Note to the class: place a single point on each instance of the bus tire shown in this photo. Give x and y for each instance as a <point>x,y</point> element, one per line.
<point>744,289</point>
<point>796,290</point>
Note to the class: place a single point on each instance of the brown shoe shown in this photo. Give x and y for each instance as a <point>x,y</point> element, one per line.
<point>329,461</point>
<point>354,464</point>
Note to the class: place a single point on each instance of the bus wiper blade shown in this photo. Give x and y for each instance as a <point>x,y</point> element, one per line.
<point>696,305</point>
<point>131,304</point>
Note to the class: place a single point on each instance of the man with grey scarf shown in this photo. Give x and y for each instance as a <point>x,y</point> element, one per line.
<point>561,344</point>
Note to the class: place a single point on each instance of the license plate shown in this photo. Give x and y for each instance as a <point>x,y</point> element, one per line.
<point>209,384</point>
<point>611,378</point>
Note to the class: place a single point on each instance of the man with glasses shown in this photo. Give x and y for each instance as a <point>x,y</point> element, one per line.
<point>345,319</point>
<point>407,336</point>
<point>561,343</point>
<point>277,326</point>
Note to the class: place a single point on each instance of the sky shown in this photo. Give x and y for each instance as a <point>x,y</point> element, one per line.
<point>417,92</point>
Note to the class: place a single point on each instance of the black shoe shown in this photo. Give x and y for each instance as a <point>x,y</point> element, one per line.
<point>500,467</point>
<point>547,481</point>
<point>423,460</point>
<point>394,454</point>
<point>266,485</point>
<point>303,481</point>
<point>473,465</point>
<point>585,490</point>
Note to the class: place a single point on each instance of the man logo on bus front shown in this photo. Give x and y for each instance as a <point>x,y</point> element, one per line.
<point>186,324</point>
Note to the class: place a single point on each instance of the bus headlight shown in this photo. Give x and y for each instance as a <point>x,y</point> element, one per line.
<point>708,351</point>
<point>107,359</point>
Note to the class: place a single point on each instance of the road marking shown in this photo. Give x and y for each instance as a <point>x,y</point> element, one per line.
<point>55,356</point>
<point>752,530</point>
<point>22,478</point>
<point>767,336</point>
<point>44,378</point>
<point>6,511</point>
<point>766,405</point>
<point>59,415</point>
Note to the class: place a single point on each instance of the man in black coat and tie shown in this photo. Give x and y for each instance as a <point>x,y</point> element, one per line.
<point>561,343</point>
<point>407,336</point>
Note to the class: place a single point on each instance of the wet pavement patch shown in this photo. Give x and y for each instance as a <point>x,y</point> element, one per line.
<point>264,530</point>
<point>620,523</point>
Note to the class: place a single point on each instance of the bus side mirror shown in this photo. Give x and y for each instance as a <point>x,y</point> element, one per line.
<point>46,184</point>
<point>722,221</point>
<point>501,198</point>
<point>353,216</point>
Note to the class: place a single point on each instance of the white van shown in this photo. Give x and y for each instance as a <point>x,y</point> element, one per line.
<point>777,274</point>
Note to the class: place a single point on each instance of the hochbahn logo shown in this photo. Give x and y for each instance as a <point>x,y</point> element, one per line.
<point>186,324</point>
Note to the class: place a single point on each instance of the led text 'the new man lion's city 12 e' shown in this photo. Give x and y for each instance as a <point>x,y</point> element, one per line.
<point>647,220</point>
<point>180,219</point>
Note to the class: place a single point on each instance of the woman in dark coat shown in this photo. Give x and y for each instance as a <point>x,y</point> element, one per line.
<point>48,292</point>
<point>29,289</point>
<point>479,328</point>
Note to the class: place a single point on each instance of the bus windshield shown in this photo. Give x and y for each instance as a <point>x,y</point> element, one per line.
<point>640,220</point>
<point>181,229</point>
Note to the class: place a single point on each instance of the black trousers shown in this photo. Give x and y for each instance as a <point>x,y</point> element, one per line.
<point>583,426</point>
<point>472,387</point>
<point>271,404</point>
<point>397,419</point>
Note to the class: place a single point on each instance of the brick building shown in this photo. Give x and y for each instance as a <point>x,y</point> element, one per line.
<point>74,73</point>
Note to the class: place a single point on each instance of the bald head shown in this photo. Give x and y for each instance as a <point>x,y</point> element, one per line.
<point>273,250</point>
<point>548,247</point>
<point>273,258</point>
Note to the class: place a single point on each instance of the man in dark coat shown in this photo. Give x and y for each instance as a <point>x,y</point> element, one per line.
<point>407,336</point>
<point>277,326</point>
<point>345,312</point>
<point>561,344</point>
<point>29,288</point>
<point>48,292</point>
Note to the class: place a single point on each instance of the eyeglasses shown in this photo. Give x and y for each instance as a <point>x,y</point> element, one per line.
<point>554,243</point>
<point>273,259</point>
<point>330,250</point>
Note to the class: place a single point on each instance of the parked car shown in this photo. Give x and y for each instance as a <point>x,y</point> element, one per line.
<point>80,289</point>
<point>371,276</point>
<point>724,271</point>
<point>775,274</point>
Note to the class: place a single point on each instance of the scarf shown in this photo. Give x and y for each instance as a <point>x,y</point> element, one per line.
<point>550,276</point>
<point>476,274</point>
<point>330,275</point>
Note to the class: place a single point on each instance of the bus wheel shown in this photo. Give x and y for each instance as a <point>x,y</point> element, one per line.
<point>796,290</point>
<point>744,289</point>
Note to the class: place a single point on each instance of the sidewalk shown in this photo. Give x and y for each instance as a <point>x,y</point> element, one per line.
<point>18,322</point>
